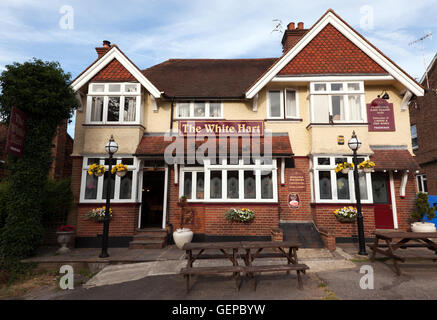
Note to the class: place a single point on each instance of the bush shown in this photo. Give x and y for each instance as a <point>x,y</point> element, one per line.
<point>423,208</point>
<point>3,190</point>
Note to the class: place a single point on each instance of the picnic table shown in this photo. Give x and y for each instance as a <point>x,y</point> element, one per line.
<point>395,240</point>
<point>250,250</point>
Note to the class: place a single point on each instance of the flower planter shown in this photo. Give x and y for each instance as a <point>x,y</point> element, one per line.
<point>121,173</point>
<point>367,170</point>
<point>182,236</point>
<point>64,239</point>
<point>423,227</point>
<point>99,174</point>
<point>345,219</point>
<point>345,170</point>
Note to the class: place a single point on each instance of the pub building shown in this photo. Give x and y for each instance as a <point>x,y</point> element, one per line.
<point>299,111</point>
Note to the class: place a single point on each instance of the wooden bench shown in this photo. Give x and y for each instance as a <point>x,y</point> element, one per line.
<point>188,272</point>
<point>253,270</point>
<point>208,256</point>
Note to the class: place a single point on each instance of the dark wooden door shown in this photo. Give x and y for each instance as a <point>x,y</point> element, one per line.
<point>382,200</point>
<point>153,198</point>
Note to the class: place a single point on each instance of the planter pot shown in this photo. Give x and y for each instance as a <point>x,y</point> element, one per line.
<point>121,173</point>
<point>99,174</point>
<point>64,239</point>
<point>182,236</point>
<point>423,227</point>
<point>345,171</point>
<point>345,220</point>
<point>367,170</point>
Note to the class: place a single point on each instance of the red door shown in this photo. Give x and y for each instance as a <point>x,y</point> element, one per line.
<point>382,200</point>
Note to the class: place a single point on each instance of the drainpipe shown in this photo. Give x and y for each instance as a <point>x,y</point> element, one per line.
<point>169,168</point>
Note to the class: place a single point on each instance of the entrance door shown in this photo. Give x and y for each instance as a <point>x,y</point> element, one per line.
<point>153,198</point>
<point>382,200</point>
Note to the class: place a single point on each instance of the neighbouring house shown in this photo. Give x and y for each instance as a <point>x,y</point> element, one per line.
<point>300,110</point>
<point>423,112</point>
<point>61,151</point>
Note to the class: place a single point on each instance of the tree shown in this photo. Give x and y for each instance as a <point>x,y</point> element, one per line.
<point>41,89</point>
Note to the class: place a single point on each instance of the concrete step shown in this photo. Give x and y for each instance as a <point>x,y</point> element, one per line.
<point>141,236</point>
<point>147,244</point>
<point>152,232</point>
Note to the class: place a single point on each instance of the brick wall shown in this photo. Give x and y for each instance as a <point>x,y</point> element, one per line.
<point>123,223</point>
<point>303,213</point>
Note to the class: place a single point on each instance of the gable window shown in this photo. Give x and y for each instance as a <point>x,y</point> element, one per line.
<point>336,187</point>
<point>282,104</point>
<point>422,185</point>
<point>226,182</point>
<point>93,189</point>
<point>113,103</point>
<point>199,109</point>
<point>337,101</point>
<point>414,137</point>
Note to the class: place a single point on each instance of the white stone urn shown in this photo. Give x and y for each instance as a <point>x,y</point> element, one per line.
<point>423,227</point>
<point>182,236</point>
<point>64,239</point>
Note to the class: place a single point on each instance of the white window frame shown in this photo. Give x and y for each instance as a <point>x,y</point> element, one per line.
<point>224,168</point>
<point>345,93</point>
<point>420,185</point>
<point>415,147</point>
<point>102,198</point>
<point>106,94</point>
<point>316,185</point>
<point>207,109</point>
<point>282,99</point>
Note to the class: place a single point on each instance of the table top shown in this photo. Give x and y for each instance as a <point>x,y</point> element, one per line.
<point>405,234</point>
<point>240,245</point>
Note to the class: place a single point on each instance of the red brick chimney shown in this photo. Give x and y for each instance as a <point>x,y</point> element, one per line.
<point>102,50</point>
<point>292,35</point>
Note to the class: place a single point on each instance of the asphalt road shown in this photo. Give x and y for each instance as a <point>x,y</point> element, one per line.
<point>418,282</point>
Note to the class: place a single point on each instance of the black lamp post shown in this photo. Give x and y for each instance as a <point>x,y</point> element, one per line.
<point>354,144</point>
<point>111,148</point>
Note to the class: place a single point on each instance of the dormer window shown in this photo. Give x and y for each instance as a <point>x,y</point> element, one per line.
<point>113,103</point>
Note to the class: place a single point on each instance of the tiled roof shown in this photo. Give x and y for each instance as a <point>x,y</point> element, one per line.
<point>156,145</point>
<point>114,71</point>
<point>330,52</point>
<point>209,78</point>
<point>394,160</point>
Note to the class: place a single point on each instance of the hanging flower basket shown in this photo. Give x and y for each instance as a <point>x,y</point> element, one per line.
<point>367,166</point>
<point>346,214</point>
<point>96,169</point>
<point>344,167</point>
<point>98,214</point>
<point>119,169</point>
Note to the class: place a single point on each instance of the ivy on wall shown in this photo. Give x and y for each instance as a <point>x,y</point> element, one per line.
<point>41,89</point>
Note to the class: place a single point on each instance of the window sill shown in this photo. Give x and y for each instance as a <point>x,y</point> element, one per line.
<point>284,120</point>
<point>188,119</point>
<point>338,124</point>
<point>227,203</point>
<point>341,204</point>
<point>113,202</point>
<point>113,125</point>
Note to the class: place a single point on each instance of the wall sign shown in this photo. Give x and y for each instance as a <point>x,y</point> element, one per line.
<point>293,200</point>
<point>380,115</point>
<point>296,180</point>
<point>16,132</point>
<point>229,128</point>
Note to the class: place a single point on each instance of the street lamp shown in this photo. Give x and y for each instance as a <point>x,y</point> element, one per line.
<point>354,144</point>
<point>111,147</point>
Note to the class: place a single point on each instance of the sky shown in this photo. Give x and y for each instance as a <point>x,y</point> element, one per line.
<point>153,31</point>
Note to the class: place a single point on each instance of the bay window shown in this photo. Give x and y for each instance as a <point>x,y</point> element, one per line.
<point>93,189</point>
<point>330,186</point>
<point>282,104</point>
<point>337,102</point>
<point>199,110</point>
<point>228,182</point>
<point>113,103</point>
